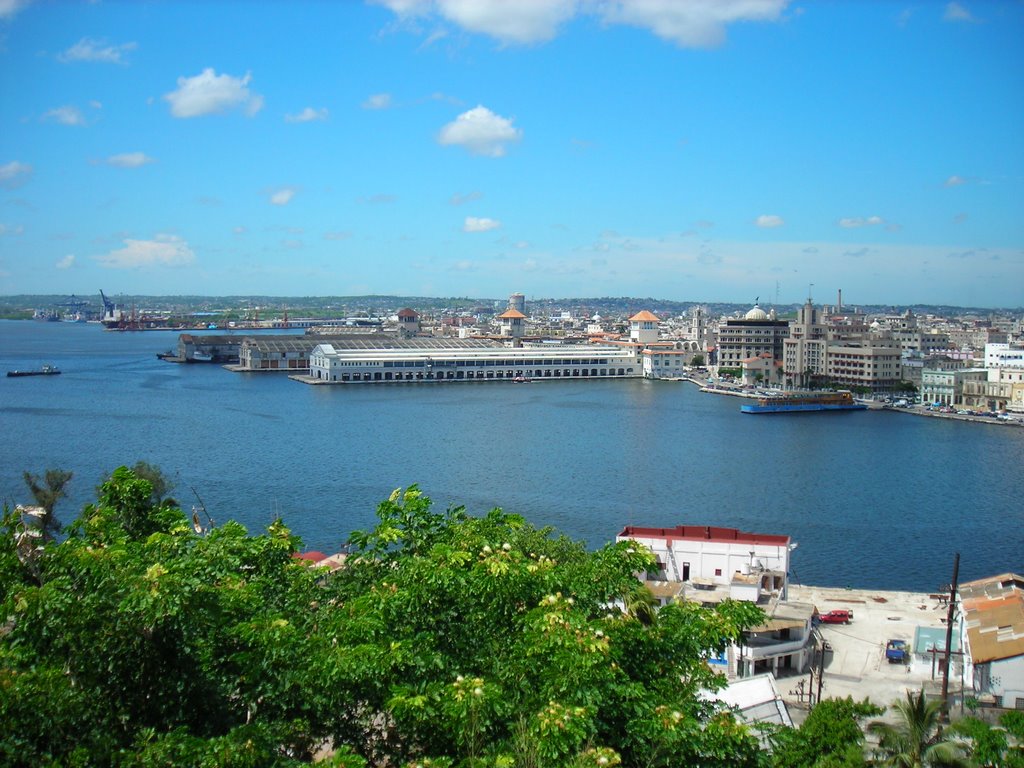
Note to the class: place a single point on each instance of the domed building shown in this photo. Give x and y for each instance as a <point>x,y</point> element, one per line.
<point>756,313</point>
<point>757,335</point>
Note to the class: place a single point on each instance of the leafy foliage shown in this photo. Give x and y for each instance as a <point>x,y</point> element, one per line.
<point>446,640</point>
<point>917,739</point>
<point>47,492</point>
<point>830,737</point>
<point>999,747</point>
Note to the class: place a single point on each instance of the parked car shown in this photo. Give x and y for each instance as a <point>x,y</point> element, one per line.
<point>840,616</point>
<point>896,651</point>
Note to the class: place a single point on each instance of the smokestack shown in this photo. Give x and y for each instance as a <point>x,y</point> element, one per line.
<point>840,308</point>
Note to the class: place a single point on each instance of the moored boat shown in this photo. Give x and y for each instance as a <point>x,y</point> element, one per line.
<point>805,402</point>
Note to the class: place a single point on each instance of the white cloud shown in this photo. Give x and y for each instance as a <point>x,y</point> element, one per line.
<point>10,7</point>
<point>855,222</point>
<point>480,132</point>
<point>282,196</point>
<point>378,101</point>
<point>66,115</point>
<point>521,21</point>
<point>209,94</point>
<point>88,49</point>
<point>14,174</point>
<point>511,21</point>
<point>473,224</point>
<point>161,251</point>
<point>768,221</point>
<point>307,115</point>
<point>6,231</point>
<point>955,181</point>
<point>469,197</point>
<point>956,12</point>
<point>67,262</point>
<point>691,24</point>
<point>339,235</point>
<point>130,160</point>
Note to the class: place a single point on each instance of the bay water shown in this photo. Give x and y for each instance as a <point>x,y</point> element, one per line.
<point>874,499</point>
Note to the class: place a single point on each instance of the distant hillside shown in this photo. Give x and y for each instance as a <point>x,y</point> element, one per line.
<point>22,305</point>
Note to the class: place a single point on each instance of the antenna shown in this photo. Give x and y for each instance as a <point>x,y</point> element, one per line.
<point>195,513</point>
<point>810,291</point>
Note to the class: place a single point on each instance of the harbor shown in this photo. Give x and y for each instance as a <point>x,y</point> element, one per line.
<point>584,456</point>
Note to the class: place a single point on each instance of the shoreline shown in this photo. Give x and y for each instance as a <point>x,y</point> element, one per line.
<point>1015,420</point>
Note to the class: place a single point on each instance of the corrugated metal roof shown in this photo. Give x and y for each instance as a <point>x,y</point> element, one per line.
<point>995,626</point>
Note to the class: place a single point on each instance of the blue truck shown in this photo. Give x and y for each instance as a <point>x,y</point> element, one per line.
<point>896,651</point>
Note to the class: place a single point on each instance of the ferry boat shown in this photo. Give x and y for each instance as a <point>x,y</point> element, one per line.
<point>805,401</point>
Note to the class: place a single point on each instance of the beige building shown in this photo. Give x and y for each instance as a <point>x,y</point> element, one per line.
<point>946,386</point>
<point>1001,390</point>
<point>869,362</point>
<point>805,349</point>
<point>757,333</point>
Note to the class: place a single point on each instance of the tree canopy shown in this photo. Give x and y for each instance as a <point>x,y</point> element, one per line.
<point>445,640</point>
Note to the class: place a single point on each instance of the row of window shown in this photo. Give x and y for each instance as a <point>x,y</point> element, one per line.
<point>465,375</point>
<point>459,363</point>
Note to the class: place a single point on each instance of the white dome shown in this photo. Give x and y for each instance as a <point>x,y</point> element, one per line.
<point>755,314</point>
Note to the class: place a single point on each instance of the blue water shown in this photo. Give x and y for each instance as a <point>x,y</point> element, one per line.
<point>874,499</point>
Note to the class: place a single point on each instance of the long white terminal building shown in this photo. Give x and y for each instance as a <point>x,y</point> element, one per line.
<point>477,360</point>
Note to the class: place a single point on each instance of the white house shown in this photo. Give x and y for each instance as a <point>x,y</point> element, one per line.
<point>993,621</point>
<point>708,564</point>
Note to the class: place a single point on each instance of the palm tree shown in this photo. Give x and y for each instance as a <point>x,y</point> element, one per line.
<point>917,740</point>
<point>47,493</point>
<point>641,603</point>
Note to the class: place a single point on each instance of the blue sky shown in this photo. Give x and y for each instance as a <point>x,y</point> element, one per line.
<point>704,150</point>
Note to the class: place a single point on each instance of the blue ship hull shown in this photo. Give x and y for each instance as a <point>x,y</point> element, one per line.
<point>801,407</point>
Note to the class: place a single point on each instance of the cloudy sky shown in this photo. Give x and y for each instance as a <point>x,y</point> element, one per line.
<point>706,150</point>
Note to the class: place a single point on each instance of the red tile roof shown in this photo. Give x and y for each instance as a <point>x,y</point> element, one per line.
<point>644,316</point>
<point>704,533</point>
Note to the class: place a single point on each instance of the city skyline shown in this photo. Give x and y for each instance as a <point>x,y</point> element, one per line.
<point>573,148</point>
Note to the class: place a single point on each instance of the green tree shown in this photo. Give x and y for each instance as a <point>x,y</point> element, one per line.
<point>917,739</point>
<point>161,484</point>
<point>446,640</point>
<point>990,747</point>
<point>831,736</point>
<point>46,493</point>
<point>697,361</point>
<point>494,628</point>
<point>143,641</point>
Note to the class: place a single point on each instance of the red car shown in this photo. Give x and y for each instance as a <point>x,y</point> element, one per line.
<point>841,616</point>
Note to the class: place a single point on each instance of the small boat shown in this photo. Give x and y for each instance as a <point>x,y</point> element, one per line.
<point>521,380</point>
<point>805,402</point>
<point>46,370</point>
<point>201,357</point>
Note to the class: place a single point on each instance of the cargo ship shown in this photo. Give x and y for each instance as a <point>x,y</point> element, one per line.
<point>46,370</point>
<point>805,402</point>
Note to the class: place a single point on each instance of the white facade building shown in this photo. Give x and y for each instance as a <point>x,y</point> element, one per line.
<point>708,564</point>
<point>713,556</point>
<point>450,360</point>
<point>1004,356</point>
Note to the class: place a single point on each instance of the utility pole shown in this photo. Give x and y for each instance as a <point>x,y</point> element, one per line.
<point>821,670</point>
<point>950,615</point>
